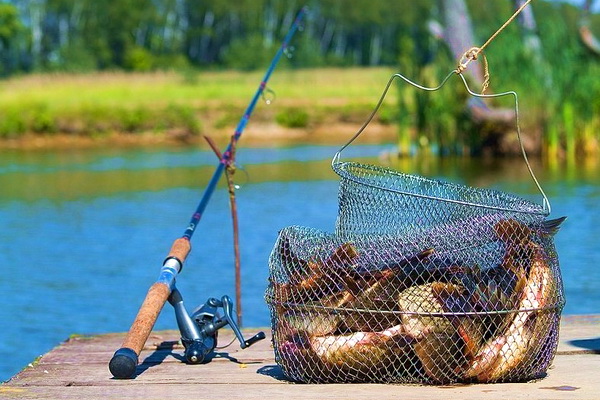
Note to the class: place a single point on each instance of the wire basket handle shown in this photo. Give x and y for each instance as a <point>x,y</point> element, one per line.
<point>337,156</point>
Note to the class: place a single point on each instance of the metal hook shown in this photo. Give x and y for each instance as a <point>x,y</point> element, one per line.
<point>289,51</point>
<point>246,176</point>
<point>236,168</point>
<point>271,95</point>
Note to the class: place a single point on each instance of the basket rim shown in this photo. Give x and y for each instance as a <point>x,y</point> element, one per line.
<point>341,169</point>
<point>271,300</point>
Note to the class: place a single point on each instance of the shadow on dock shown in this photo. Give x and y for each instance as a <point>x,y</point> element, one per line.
<point>175,350</point>
<point>274,371</point>
<point>163,350</point>
<point>593,345</point>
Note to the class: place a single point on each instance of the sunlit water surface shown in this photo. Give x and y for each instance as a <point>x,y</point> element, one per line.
<point>84,233</point>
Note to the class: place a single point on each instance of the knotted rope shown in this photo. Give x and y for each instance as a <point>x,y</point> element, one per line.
<point>473,52</point>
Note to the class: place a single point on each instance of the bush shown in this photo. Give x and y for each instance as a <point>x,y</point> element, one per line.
<point>138,59</point>
<point>41,119</point>
<point>12,123</point>
<point>387,115</point>
<point>134,120</point>
<point>75,58</point>
<point>248,53</point>
<point>178,116</point>
<point>293,118</point>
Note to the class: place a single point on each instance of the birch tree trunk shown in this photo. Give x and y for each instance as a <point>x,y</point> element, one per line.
<point>458,34</point>
<point>533,43</point>
<point>36,14</point>
<point>587,37</point>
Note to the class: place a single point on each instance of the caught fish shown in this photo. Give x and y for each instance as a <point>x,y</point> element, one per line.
<point>316,279</point>
<point>378,290</point>
<point>309,323</point>
<point>456,303</point>
<point>364,352</point>
<point>517,238</point>
<point>448,340</point>
<point>513,349</point>
<point>354,357</point>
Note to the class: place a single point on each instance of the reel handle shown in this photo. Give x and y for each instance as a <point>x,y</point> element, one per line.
<point>259,336</point>
<point>227,305</point>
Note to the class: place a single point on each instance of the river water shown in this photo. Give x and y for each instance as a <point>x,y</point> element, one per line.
<point>84,232</point>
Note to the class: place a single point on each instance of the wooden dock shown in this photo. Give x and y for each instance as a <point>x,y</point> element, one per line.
<point>78,369</point>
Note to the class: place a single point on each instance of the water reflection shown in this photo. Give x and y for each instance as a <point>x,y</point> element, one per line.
<point>31,177</point>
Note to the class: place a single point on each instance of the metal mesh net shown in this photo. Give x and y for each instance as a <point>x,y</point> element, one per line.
<point>422,282</point>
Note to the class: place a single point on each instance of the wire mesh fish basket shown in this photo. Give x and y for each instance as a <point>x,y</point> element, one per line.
<point>422,281</point>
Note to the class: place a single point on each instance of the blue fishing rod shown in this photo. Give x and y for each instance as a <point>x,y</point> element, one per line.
<point>198,331</point>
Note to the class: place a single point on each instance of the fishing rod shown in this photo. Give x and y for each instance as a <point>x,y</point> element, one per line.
<point>199,330</point>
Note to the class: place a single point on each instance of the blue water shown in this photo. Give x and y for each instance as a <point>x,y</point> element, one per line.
<point>84,233</point>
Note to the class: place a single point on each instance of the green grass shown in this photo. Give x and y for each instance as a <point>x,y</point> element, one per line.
<point>61,91</point>
<point>90,104</point>
<point>192,103</point>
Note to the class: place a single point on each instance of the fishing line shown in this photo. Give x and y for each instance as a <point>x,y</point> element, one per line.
<point>197,216</point>
<point>125,360</point>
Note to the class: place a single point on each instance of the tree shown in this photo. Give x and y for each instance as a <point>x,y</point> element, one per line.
<point>459,36</point>
<point>10,30</point>
<point>585,32</point>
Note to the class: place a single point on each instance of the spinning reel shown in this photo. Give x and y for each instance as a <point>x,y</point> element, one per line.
<point>199,330</point>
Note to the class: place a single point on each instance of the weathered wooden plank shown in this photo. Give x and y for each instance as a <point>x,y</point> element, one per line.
<point>78,369</point>
<point>97,350</point>
<point>561,383</point>
<point>98,374</point>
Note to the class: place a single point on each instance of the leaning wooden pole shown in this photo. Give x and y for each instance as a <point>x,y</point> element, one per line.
<point>125,360</point>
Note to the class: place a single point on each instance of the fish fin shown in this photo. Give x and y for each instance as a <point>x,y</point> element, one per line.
<point>417,258</point>
<point>425,253</point>
<point>551,226</point>
<point>512,231</point>
<point>391,269</point>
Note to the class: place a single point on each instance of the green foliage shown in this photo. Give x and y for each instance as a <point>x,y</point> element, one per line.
<point>293,118</point>
<point>134,120</point>
<point>306,53</point>
<point>28,118</point>
<point>139,35</point>
<point>10,24</point>
<point>12,33</point>
<point>174,62</point>
<point>74,58</point>
<point>89,119</point>
<point>11,123</point>
<point>248,53</point>
<point>182,116</point>
<point>388,114</point>
<point>40,119</point>
<point>558,87</point>
<point>138,59</point>
<point>230,116</point>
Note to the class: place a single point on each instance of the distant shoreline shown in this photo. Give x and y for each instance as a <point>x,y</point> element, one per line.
<point>62,111</point>
<point>258,134</point>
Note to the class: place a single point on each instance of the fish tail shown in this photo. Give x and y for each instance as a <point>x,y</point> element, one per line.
<point>551,226</point>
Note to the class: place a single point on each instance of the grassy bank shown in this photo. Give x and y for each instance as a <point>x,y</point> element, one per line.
<point>185,105</point>
<point>308,105</point>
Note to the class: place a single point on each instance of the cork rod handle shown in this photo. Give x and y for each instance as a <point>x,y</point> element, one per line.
<point>124,362</point>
